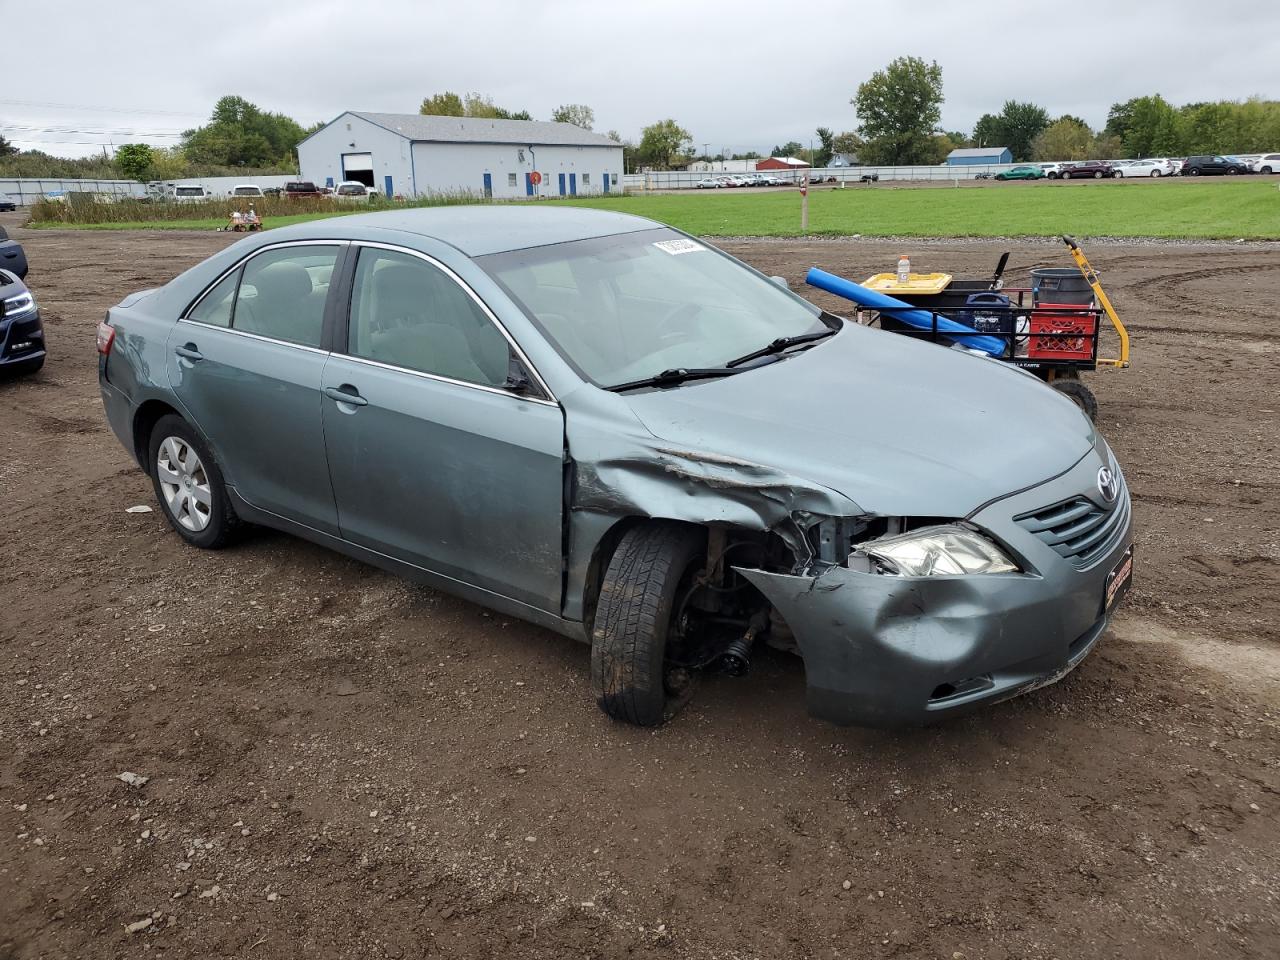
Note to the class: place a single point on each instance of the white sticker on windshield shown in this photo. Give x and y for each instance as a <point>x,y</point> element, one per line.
<point>677,247</point>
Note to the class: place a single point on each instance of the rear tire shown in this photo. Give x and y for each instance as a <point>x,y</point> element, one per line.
<point>1078,394</point>
<point>1098,175</point>
<point>634,616</point>
<point>1266,170</point>
<point>1155,173</point>
<point>209,526</point>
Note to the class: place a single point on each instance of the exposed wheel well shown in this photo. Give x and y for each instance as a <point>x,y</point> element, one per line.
<point>144,420</point>
<point>765,549</point>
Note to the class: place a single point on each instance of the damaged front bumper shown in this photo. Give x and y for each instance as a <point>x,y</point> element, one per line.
<point>891,651</point>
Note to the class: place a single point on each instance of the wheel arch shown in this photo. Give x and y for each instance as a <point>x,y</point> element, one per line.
<point>145,419</point>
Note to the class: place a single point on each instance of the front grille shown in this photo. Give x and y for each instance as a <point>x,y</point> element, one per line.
<point>1078,529</point>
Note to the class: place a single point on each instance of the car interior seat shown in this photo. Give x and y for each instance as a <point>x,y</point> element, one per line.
<point>400,326</point>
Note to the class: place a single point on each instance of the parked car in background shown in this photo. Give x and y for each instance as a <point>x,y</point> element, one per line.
<point>351,190</point>
<point>7,202</point>
<point>1267,163</point>
<point>1147,168</point>
<point>187,193</point>
<point>12,257</point>
<point>297,189</point>
<point>628,453</point>
<point>1052,170</point>
<point>272,191</point>
<point>984,176</point>
<point>708,183</point>
<point>22,348</point>
<point>1176,164</point>
<point>1097,169</point>
<point>1212,167</point>
<point>770,180</point>
<point>246,190</point>
<point>1021,173</point>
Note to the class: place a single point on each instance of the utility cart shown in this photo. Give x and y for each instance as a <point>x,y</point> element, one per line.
<point>1051,329</point>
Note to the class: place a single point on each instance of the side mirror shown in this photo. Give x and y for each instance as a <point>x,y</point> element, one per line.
<point>782,282</point>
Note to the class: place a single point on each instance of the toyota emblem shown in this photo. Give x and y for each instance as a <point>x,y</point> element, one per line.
<point>1107,485</point>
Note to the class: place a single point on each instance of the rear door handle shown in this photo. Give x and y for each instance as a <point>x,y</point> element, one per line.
<point>346,394</point>
<point>188,351</point>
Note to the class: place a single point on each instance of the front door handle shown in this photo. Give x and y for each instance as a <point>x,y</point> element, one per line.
<point>346,394</point>
<point>188,351</point>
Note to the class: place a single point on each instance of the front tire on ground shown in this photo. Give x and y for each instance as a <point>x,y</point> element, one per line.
<point>1078,394</point>
<point>636,614</point>
<point>189,485</point>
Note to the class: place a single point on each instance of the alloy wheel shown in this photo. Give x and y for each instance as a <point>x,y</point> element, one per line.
<point>184,484</point>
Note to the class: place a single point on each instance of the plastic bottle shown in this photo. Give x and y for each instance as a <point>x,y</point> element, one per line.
<point>904,269</point>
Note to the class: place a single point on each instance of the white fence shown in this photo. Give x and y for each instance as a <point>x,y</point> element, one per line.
<point>683,179</point>
<point>27,191</point>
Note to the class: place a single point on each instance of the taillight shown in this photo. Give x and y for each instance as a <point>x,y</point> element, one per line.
<point>106,337</point>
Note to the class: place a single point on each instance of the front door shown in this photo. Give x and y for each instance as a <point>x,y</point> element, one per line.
<point>573,184</point>
<point>488,186</point>
<point>433,461</point>
<point>246,366</point>
<point>562,184</point>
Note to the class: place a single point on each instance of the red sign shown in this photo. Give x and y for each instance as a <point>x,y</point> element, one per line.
<point>535,178</point>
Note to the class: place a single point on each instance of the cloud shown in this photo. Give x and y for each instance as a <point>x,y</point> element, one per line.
<point>742,75</point>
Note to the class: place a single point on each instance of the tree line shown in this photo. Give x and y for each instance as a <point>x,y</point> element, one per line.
<point>899,109</point>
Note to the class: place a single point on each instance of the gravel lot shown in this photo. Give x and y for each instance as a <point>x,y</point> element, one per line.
<point>342,764</point>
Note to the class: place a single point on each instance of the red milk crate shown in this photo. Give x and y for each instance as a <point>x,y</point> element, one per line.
<point>1066,333</point>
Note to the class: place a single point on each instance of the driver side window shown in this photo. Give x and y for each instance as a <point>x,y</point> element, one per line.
<point>408,313</point>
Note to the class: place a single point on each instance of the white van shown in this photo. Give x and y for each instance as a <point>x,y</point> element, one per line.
<point>246,190</point>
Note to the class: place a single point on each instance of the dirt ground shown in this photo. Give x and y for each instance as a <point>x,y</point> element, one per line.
<point>345,765</point>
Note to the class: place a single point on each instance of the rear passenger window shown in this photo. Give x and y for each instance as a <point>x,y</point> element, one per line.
<point>283,293</point>
<point>408,313</point>
<point>215,308</point>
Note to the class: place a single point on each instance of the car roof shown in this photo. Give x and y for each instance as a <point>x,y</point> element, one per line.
<point>478,230</point>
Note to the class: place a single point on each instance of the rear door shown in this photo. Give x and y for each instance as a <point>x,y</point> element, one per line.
<point>246,364</point>
<point>433,460</point>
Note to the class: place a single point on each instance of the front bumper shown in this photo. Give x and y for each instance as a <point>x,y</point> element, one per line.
<point>895,651</point>
<point>21,339</point>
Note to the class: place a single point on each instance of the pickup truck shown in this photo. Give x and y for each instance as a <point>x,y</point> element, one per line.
<point>296,189</point>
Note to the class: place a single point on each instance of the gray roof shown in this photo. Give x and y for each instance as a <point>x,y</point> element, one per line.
<point>977,152</point>
<point>476,230</point>
<point>417,127</point>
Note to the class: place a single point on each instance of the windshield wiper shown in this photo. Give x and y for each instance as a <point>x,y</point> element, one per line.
<point>782,343</point>
<point>668,378</point>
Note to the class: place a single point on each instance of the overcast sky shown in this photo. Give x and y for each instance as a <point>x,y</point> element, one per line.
<point>742,75</point>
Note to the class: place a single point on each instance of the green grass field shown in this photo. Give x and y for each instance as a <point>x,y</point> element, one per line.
<point>1177,209</point>
<point>1222,209</point>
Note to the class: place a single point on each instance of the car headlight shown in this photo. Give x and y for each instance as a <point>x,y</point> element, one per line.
<point>18,306</point>
<point>940,551</point>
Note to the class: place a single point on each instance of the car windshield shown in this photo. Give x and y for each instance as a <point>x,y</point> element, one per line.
<point>631,306</point>
<point>247,191</point>
<point>190,191</point>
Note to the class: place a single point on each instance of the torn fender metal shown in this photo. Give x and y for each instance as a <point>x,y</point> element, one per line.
<point>897,651</point>
<point>613,475</point>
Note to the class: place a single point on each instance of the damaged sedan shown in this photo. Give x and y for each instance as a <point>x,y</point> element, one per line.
<point>607,427</point>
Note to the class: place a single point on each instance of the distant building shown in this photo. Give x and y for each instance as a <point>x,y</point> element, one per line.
<point>844,160</point>
<point>969,156</point>
<point>408,154</point>
<point>723,166</point>
<point>781,163</point>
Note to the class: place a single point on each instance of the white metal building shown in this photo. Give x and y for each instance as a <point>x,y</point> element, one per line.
<point>407,154</point>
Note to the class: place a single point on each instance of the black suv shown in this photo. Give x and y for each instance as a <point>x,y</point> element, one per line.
<point>1212,166</point>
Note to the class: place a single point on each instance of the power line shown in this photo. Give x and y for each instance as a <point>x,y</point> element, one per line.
<point>73,106</point>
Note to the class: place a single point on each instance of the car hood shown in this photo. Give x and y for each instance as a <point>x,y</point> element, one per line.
<point>901,427</point>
